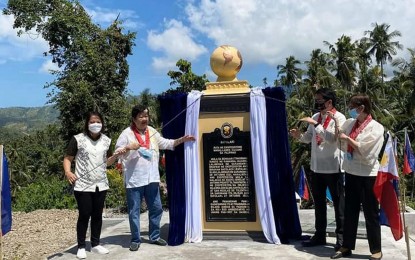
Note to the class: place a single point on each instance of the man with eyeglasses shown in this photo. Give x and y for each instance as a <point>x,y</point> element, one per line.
<point>325,164</point>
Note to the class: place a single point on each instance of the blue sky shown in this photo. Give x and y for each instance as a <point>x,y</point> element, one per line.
<point>265,31</point>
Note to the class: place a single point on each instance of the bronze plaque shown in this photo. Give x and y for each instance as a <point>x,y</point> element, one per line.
<point>228,175</point>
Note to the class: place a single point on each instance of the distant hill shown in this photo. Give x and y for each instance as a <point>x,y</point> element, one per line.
<point>17,120</point>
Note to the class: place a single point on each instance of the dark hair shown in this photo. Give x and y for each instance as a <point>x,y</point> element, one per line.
<point>89,115</point>
<point>137,109</point>
<point>361,99</point>
<point>327,95</point>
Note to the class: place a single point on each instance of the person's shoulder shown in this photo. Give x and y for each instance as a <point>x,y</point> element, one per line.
<point>152,129</point>
<point>80,135</point>
<point>126,130</point>
<point>348,122</point>
<point>377,126</point>
<point>339,114</point>
<point>316,115</point>
<point>105,137</point>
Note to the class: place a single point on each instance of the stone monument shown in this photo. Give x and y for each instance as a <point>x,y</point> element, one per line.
<point>228,190</point>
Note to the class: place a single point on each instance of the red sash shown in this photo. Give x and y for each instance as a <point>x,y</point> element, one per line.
<point>326,123</point>
<point>140,140</point>
<point>356,130</point>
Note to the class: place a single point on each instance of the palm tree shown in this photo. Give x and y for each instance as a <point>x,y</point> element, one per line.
<point>381,44</point>
<point>406,80</point>
<point>291,73</point>
<point>363,60</point>
<point>317,70</point>
<point>343,55</point>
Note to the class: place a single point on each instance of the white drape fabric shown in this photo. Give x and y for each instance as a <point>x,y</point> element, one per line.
<point>193,224</point>
<point>258,122</point>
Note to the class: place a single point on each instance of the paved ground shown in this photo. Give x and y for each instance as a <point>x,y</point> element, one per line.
<point>116,237</point>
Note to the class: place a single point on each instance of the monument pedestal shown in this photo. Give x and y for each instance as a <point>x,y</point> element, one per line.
<point>227,178</point>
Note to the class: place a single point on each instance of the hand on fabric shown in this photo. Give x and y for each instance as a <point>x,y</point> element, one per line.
<point>188,138</point>
<point>309,120</point>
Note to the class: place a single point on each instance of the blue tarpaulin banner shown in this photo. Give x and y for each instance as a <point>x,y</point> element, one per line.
<point>6,203</point>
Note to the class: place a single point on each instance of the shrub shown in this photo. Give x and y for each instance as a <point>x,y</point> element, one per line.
<point>46,193</point>
<point>116,197</point>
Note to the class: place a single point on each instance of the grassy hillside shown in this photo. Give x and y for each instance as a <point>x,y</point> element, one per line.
<point>15,121</point>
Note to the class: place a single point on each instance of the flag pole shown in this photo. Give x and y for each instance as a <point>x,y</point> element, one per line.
<point>402,197</point>
<point>405,227</point>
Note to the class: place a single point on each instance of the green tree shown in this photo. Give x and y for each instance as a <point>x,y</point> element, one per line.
<point>404,81</point>
<point>290,72</point>
<point>382,45</point>
<point>93,61</point>
<point>185,79</point>
<point>317,70</point>
<point>363,60</point>
<point>343,61</point>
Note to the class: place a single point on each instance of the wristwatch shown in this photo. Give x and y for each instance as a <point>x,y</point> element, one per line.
<point>316,124</point>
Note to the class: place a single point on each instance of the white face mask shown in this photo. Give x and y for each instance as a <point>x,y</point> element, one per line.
<point>95,128</point>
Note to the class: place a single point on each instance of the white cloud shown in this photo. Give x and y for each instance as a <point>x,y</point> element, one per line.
<point>48,66</point>
<point>23,48</point>
<point>271,30</point>
<point>175,42</point>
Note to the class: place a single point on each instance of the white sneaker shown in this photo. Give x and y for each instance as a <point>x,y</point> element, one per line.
<point>81,253</point>
<point>100,250</point>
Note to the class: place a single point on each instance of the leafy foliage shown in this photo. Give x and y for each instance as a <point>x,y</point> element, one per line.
<point>92,61</point>
<point>116,194</point>
<point>45,193</point>
<point>185,78</point>
<point>34,157</point>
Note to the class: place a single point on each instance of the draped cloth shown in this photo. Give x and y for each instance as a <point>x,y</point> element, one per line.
<point>193,222</point>
<point>274,183</point>
<point>280,172</point>
<point>173,116</point>
<point>259,158</point>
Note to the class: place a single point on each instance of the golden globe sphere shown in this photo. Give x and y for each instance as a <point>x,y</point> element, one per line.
<point>226,62</point>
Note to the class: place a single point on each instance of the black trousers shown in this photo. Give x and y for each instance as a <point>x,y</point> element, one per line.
<point>90,205</point>
<point>320,182</point>
<point>359,191</point>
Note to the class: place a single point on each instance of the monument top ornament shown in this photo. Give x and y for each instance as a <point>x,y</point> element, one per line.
<point>226,62</point>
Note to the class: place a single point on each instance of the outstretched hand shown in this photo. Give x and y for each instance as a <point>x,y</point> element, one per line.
<point>309,120</point>
<point>295,133</point>
<point>188,138</point>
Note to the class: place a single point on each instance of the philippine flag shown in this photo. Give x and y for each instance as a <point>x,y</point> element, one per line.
<point>303,187</point>
<point>385,191</point>
<point>408,156</point>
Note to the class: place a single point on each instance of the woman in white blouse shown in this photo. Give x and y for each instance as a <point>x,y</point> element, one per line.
<point>361,138</point>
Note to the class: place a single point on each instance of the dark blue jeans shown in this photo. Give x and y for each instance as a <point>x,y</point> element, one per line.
<point>151,194</point>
